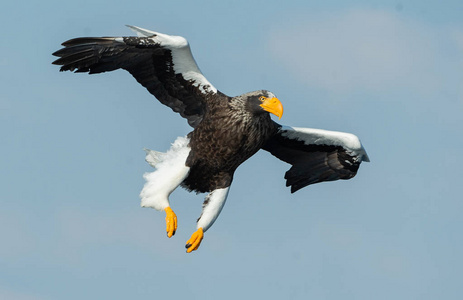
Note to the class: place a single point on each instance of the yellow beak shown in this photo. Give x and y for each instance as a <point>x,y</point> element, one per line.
<point>273,106</point>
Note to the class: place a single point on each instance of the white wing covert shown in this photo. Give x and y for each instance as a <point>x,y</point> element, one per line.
<point>316,155</point>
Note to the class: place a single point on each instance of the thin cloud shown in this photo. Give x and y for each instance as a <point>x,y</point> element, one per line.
<point>365,50</point>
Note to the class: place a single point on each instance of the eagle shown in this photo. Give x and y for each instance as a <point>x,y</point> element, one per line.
<point>226,130</point>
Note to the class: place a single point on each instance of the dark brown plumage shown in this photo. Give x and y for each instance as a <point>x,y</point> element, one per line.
<point>228,135</point>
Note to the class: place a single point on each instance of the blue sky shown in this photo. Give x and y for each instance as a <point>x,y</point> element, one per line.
<point>390,72</point>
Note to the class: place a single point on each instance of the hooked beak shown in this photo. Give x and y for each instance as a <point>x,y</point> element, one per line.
<point>273,106</point>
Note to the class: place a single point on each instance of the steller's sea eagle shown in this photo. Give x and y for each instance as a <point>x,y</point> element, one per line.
<point>226,130</point>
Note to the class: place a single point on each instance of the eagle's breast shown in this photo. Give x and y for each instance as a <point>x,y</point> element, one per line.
<point>227,136</point>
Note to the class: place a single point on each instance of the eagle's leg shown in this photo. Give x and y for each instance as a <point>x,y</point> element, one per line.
<point>212,207</point>
<point>171,221</point>
<point>170,172</point>
<point>193,243</point>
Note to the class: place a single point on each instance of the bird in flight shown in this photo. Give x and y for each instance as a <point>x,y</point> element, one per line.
<point>226,130</point>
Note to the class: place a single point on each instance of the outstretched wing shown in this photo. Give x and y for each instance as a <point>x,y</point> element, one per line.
<point>316,155</point>
<point>161,63</point>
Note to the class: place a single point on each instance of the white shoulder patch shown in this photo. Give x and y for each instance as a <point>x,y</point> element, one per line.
<point>312,136</point>
<point>183,60</point>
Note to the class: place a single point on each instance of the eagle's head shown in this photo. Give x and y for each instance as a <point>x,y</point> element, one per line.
<point>263,101</point>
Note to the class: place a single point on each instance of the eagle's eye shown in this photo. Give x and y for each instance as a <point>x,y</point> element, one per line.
<point>262,98</point>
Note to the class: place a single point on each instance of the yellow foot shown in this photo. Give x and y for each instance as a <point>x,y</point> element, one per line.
<point>193,243</point>
<point>171,222</point>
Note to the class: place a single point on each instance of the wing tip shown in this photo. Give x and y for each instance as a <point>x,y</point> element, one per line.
<point>365,157</point>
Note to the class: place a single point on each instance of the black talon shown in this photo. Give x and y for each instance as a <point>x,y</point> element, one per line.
<point>187,246</point>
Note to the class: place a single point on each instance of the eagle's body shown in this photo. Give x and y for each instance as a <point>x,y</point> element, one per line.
<point>227,130</point>
<point>216,150</point>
